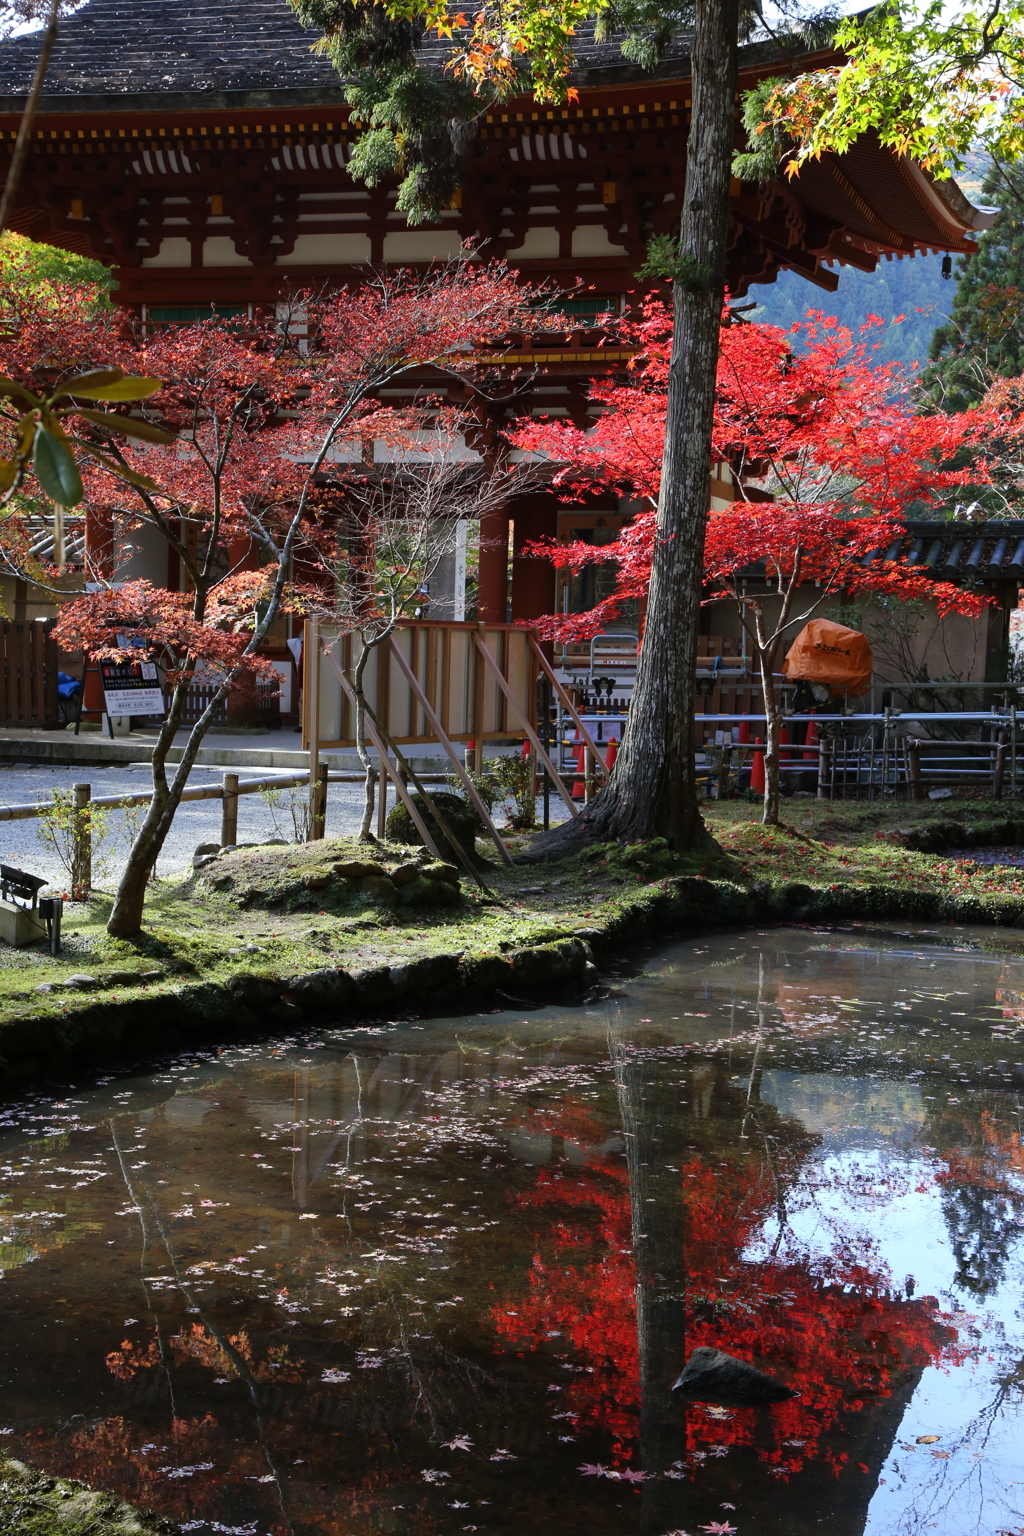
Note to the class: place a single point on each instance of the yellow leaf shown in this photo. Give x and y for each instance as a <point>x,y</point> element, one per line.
<point>129,425</point>
<point>96,378</point>
<point>121,389</point>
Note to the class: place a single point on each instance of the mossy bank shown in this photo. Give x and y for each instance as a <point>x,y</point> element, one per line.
<point>280,935</point>
<point>34,1504</point>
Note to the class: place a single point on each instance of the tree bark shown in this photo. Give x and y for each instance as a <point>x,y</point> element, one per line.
<point>657,1134</point>
<point>24,140</point>
<point>126,914</point>
<point>652,791</point>
<point>770,811</point>
<point>370,783</point>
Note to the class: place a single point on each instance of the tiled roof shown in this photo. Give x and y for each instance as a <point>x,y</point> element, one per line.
<point>188,48</point>
<point>134,47</point>
<point>962,551</point>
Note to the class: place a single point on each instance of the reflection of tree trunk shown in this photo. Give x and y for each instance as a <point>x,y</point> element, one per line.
<point>653,1125</point>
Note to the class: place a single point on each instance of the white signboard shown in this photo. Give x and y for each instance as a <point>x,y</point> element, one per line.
<point>132,688</point>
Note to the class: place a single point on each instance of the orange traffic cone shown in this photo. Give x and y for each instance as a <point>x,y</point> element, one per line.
<point>757,769</point>
<point>612,753</point>
<point>579,789</point>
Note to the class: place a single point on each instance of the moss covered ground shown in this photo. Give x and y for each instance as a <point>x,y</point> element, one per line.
<point>913,848</point>
<point>274,913</point>
<point>33,1504</point>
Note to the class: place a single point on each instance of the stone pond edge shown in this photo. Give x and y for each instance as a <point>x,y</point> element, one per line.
<point>34,1503</point>
<point>76,1034</point>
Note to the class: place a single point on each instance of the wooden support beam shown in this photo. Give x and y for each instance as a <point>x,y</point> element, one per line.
<point>538,747</point>
<point>569,706</point>
<point>439,730</point>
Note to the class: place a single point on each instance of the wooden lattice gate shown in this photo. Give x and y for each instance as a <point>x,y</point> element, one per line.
<point>28,674</point>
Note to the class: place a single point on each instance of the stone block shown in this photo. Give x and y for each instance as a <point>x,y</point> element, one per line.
<point>18,927</point>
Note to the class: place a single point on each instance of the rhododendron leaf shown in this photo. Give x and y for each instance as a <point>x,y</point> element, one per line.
<point>96,378</point>
<point>138,388</point>
<point>15,391</point>
<point>144,482</point>
<point>56,469</point>
<point>131,426</point>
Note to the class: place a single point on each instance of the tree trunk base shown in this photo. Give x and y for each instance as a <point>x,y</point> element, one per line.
<point>603,822</point>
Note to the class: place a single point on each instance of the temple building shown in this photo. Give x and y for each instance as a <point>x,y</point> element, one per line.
<point>200,152</point>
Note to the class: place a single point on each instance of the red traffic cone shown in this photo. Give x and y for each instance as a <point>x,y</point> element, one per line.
<point>526,748</point>
<point>813,732</point>
<point>612,753</point>
<point>579,788</point>
<point>757,768</point>
<point>743,737</point>
<point>784,757</point>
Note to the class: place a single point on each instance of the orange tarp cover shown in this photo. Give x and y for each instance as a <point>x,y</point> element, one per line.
<point>824,652</point>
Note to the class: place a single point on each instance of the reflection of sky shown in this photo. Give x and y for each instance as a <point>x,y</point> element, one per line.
<point>869,1178</point>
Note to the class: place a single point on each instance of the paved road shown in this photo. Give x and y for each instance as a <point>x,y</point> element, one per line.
<point>196,821</point>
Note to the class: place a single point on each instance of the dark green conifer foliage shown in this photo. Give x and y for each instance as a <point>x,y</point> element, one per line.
<point>984,338</point>
<point>417,118</point>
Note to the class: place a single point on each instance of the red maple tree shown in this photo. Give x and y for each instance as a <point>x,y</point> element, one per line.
<point>830,1322</point>
<point>269,419</point>
<point>826,453</point>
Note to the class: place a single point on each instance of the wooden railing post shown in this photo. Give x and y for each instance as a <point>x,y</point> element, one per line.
<point>914,768</point>
<point>318,804</point>
<point>81,858</point>
<point>229,811</point>
<point>824,759</point>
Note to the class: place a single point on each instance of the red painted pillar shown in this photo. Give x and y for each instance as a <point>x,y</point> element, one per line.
<point>492,589</point>
<point>533,581</point>
<point>99,544</point>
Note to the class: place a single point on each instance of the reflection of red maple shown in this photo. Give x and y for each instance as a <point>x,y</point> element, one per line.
<point>828,1326</point>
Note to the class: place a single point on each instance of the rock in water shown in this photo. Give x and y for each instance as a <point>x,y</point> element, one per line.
<point>710,1376</point>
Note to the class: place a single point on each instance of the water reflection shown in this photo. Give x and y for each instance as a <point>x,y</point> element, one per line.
<point>440,1278</point>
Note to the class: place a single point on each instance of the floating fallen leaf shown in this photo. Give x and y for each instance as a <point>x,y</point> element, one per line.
<point>928,1439</point>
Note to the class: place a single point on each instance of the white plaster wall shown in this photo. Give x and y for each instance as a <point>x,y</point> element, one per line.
<point>219,251</point>
<point>149,560</point>
<point>592,240</point>
<point>538,242</point>
<point>173,252</point>
<point>422,245</point>
<point>310,249</point>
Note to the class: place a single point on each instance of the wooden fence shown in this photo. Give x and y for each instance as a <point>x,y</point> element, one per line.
<point>28,674</point>
<point>460,687</point>
<point>267,705</point>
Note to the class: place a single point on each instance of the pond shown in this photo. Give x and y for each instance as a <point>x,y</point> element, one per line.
<point>439,1276</point>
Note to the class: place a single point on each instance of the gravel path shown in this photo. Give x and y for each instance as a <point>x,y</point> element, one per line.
<point>196,821</point>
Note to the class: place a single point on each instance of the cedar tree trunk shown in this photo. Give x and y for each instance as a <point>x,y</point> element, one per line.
<point>652,791</point>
